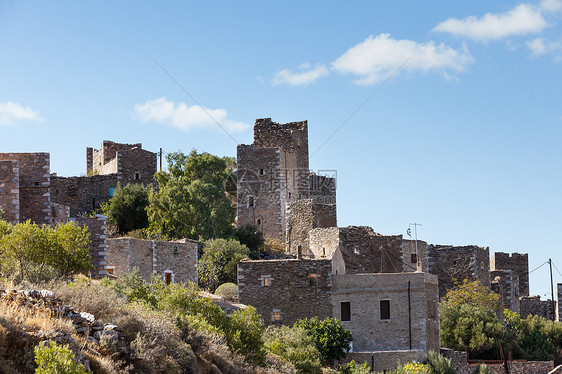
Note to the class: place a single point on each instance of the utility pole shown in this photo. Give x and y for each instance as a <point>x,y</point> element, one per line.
<point>160,159</point>
<point>551,290</point>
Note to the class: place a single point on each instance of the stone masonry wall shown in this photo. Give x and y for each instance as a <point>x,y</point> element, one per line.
<point>82,194</point>
<point>409,258</point>
<point>97,228</point>
<point>365,251</point>
<point>136,166</point>
<point>286,287</point>
<point>34,181</point>
<point>59,213</point>
<point>303,216</point>
<point>154,257</point>
<point>505,283</point>
<point>104,155</point>
<point>383,360</point>
<point>259,190</point>
<point>518,262</point>
<point>460,362</point>
<point>370,331</point>
<point>455,264</point>
<point>535,306</point>
<point>322,189</point>
<point>10,190</point>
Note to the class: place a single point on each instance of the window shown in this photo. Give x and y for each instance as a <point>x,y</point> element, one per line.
<point>250,201</point>
<point>266,280</point>
<point>323,252</point>
<point>276,315</point>
<point>137,175</point>
<point>176,250</point>
<point>385,309</point>
<point>312,279</point>
<point>109,270</point>
<point>261,171</point>
<point>289,195</point>
<point>168,277</point>
<point>413,258</point>
<point>345,307</point>
<point>356,250</point>
<point>111,191</point>
<point>259,221</point>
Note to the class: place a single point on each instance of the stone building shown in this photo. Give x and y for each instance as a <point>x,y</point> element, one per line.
<point>455,264</point>
<point>174,261</point>
<point>273,172</point>
<point>24,187</point>
<point>518,263</point>
<point>533,305</point>
<point>114,163</point>
<point>505,283</point>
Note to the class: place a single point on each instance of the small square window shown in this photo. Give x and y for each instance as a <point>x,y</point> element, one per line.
<point>385,309</point>
<point>276,315</point>
<point>137,176</point>
<point>312,279</point>
<point>345,307</point>
<point>266,281</point>
<point>109,270</point>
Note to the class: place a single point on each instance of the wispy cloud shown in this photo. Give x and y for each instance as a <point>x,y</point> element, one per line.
<point>185,117</point>
<point>522,20</point>
<point>540,46</point>
<point>302,78</point>
<point>553,6</point>
<point>11,113</point>
<point>378,56</point>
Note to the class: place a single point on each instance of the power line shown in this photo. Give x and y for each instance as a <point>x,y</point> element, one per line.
<point>537,268</point>
<point>557,269</point>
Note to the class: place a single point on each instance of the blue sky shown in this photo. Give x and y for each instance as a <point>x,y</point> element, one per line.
<point>464,138</point>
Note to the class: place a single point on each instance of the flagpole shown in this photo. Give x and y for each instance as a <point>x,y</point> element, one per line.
<point>416,237</point>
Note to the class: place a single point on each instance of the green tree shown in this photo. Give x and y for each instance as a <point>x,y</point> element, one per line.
<point>127,207</point>
<point>218,264</point>
<point>70,253</point>
<point>192,200</point>
<point>251,237</point>
<point>294,345</point>
<point>469,318</point>
<point>331,338</point>
<point>56,359</point>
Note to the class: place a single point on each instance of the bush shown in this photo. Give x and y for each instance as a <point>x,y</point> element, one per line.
<point>412,368</point>
<point>56,359</point>
<point>331,338</point>
<point>481,369</point>
<point>127,207</point>
<point>295,346</point>
<point>354,368</point>
<point>218,264</point>
<point>251,237</point>
<point>228,290</point>
<point>438,364</point>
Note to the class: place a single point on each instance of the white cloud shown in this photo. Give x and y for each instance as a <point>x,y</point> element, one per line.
<point>378,56</point>
<point>303,78</point>
<point>185,117</point>
<point>10,113</point>
<point>553,6</point>
<point>539,47</point>
<point>521,20</point>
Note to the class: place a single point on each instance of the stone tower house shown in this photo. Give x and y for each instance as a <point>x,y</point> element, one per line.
<point>273,172</point>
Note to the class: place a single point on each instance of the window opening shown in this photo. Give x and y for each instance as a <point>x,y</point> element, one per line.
<point>137,175</point>
<point>276,315</point>
<point>312,279</point>
<point>345,307</point>
<point>385,309</point>
<point>414,258</point>
<point>261,171</point>
<point>250,201</point>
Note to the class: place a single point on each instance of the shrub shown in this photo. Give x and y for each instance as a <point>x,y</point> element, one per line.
<point>251,237</point>
<point>412,368</point>
<point>218,264</point>
<point>56,359</point>
<point>228,290</point>
<point>353,367</point>
<point>244,334</point>
<point>295,346</point>
<point>481,369</point>
<point>127,207</point>
<point>438,364</point>
<point>331,338</point>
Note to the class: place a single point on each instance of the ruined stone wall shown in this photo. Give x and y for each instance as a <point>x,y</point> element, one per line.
<point>303,216</point>
<point>82,194</point>
<point>371,332</point>
<point>259,190</point>
<point>288,289</point>
<point>462,365</point>
<point>505,283</point>
<point>59,213</point>
<point>533,305</point>
<point>322,189</point>
<point>97,228</point>
<point>10,190</point>
<point>34,182</point>
<point>383,360</point>
<point>154,257</point>
<point>518,262</point>
<point>455,264</point>
<point>136,166</point>
<point>365,251</point>
<point>409,258</point>
<point>105,154</point>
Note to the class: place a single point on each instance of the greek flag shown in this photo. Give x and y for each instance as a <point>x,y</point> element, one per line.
<point>409,232</point>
